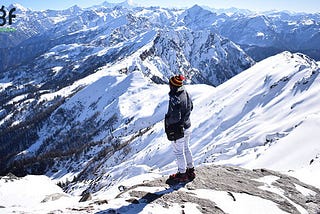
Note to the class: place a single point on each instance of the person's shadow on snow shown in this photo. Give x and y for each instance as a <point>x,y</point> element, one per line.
<point>137,205</point>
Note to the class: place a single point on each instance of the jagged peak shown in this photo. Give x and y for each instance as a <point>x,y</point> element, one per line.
<point>196,9</point>
<point>75,8</point>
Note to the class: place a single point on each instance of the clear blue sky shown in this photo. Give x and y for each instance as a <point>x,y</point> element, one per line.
<point>255,5</point>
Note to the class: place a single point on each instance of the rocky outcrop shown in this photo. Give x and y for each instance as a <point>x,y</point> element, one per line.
<point>283,190</point>
<point>86,197</point>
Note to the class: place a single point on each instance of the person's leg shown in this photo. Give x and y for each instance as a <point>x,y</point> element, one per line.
<point>187,151</point>
<point>178,147</point>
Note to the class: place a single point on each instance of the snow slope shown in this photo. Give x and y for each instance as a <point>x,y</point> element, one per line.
<point>264,117</point>
<point>251,120</point>
<point>261,114</point>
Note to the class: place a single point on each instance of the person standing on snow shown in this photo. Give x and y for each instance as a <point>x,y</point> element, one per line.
<point>177,128</point>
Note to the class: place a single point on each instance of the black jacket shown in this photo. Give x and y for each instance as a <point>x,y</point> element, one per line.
<point>180,107</point>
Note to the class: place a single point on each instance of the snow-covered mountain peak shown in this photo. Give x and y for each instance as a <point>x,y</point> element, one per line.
<point>196,10</point>
<point>75,9</point>
<point>284,64</point>
<point>197,17</point>
<point>233,10</point>
<point>124,4</point>
<point>18,7</point>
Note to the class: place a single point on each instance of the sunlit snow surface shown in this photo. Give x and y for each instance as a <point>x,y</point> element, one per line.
<point>266,117</point>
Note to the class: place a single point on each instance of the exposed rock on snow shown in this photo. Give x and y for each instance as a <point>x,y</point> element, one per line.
<point>9,177</point>
<point>53,197</point>
<point>86,197</point>
<point>216,189</point>
<point>235,183</point>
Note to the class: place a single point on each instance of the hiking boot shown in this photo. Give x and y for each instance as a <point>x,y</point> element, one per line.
<point>190,173</point>
<point>179,177</point>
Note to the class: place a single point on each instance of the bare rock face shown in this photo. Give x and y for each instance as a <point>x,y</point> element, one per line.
<point>288,193</point>
<point>86,197</point>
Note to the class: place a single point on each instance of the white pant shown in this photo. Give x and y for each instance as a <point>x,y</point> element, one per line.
<point>182,152</point>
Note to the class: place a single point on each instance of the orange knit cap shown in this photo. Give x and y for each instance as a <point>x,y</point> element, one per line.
<point>177,80</point>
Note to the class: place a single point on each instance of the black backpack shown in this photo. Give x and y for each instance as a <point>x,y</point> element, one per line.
<point>174,131</point>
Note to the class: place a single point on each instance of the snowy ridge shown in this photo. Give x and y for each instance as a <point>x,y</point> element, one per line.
<point>261,107</point>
